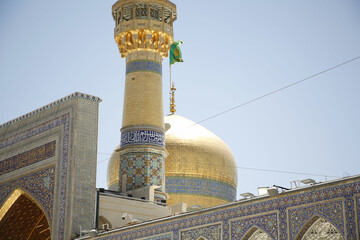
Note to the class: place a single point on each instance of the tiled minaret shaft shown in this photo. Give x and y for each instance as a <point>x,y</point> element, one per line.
<point>143,33</point>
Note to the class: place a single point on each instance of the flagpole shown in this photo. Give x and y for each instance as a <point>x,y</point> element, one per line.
<point>170,86</point>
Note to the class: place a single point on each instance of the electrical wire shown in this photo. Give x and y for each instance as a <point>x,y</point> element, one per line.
<point>272,92</point>
<point>264,170</point>
<point>261,97</point>
<point>288,172</point>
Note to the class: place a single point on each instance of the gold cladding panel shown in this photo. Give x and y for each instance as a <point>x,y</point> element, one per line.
<point>143,103</point>
<point>24,220</point>
<point>200,161</point>
<point>113,170</point>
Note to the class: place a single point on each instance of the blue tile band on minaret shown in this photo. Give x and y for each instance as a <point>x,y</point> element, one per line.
<point>141,136</point>
<point>143,65</point>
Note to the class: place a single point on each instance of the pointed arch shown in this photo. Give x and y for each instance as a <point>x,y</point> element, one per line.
<point>22,217</point>
<point>256,233</point>
<point>319,228</point>
<point>201,238</point>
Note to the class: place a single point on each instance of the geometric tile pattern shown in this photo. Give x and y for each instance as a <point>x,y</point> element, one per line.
<point>85,154</point>
<point>358,213</point>
<point>331,211</point>
<point>39,184</point>
<point>200,187</point>
<point>319,229</point>
<point>63,121</point>
<point>212,232</point>
<point>27,158</point>
<point>322,202</point>
<point>267,223</point>
<point>142,169</point>
<point>140,136</point>
<point>74,124</point>
<point>143,65</point>
<point>167,236</point>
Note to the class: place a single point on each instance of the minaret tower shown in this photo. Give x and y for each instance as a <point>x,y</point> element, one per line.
<point>144,33</point>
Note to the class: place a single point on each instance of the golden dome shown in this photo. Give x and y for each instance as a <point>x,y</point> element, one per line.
<point>200,168</point>
<point>113,170</point>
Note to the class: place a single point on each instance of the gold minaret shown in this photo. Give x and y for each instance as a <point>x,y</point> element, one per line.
<point>143,33</point>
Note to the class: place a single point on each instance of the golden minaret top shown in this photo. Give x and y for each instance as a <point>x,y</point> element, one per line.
<point>143,24</point>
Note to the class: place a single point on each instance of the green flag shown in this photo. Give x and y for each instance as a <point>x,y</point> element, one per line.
<point>175,52</point>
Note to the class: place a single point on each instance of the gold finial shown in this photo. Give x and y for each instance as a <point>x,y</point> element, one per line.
<point>172,99</point>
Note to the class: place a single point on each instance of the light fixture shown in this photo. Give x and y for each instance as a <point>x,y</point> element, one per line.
<point>308,181</point>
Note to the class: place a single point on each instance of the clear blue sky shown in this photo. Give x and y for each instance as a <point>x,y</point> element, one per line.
<point>233,51</point>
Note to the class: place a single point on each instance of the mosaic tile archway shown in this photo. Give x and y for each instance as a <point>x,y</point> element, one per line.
<point>256,234</point>
<point>22,218</point>
<point>319,228</point>
<point>201,238</point>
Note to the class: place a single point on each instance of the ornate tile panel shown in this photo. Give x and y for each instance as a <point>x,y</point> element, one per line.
<point>142,136</point>
<point>85,154</point>
<point>268,223</point>
<point>27,158</point>
<point>166,236</point>
<point>62,121</point>
<point>143,65</point>
<point>350,216</point>
<point>306,203</point>
<point>357,202</point>
<point>330,210</point>
<point>210,232</point>
<point>39,184</point>
<point>200,186</point>
<point>142,169</point>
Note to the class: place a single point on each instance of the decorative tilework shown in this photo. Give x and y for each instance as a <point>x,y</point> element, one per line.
<point>142,169</point>
<point>34,183</point>
<point>267,223</point>
<point>350,217</point>
<point>57,122</point>
<point>143,65</point>
<point>331,211</point>
<point>357,200</point>
<point>166,236</point>
<point>249,210</point>
<point>140,136</point>
<point>200,186</point>
<point>27,158</point>
<point>85,154</point>
<point>211,232</point>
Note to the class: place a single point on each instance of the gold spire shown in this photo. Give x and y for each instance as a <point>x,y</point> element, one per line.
<point>172,99</point>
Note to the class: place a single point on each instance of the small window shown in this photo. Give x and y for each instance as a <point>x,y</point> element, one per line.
<point>167,15</point>
<point>127,12</point>
<point>156,12</point>
<point>141,11</point>
<point>118,17</point>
